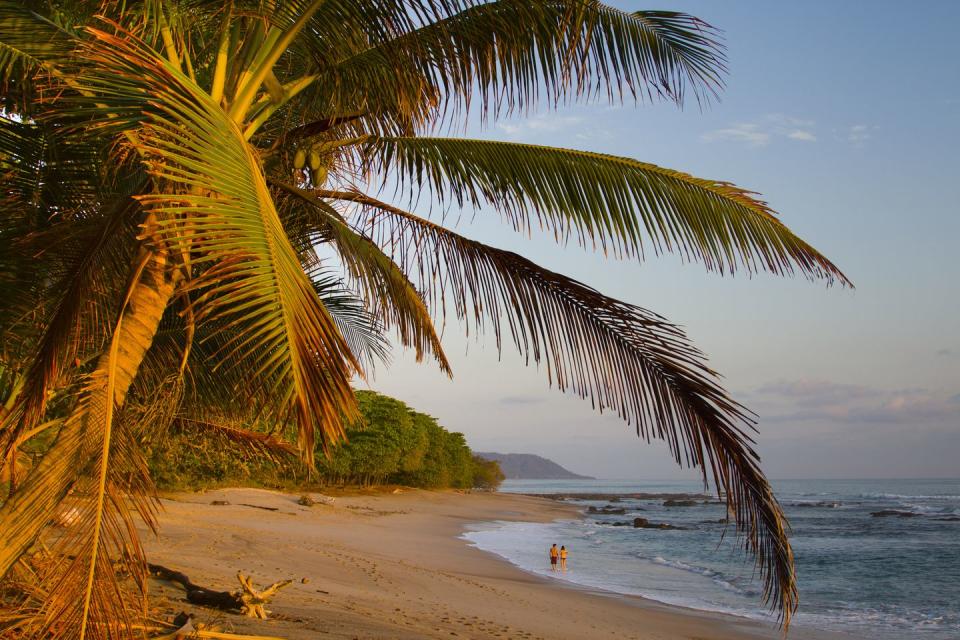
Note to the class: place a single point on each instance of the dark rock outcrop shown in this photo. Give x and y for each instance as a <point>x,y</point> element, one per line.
<point>643,523</point>
<point>821,505</point>
<point>618,511</point>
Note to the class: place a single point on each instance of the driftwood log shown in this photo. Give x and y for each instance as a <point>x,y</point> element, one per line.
<point>247,599</point>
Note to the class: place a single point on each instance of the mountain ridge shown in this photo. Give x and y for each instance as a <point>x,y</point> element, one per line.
<point>528,466</point>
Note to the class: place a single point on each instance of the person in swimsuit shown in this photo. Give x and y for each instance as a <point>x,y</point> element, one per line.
<point>563,558</point>
<point>554,556</point>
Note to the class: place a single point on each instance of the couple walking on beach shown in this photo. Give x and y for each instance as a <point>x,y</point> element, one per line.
<point>558,554</point>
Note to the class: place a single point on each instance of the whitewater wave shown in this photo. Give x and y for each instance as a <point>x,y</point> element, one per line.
<point>716,576</point>
<point>928,510</point>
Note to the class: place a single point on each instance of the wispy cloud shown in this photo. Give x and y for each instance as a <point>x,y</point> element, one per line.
<point>762,132</point>
<point>816,391</point>
<point>744,132</point>
<point>803,136</point>
<point>553,125</point>
<point>542,123</point>
<point>859,133</point>
<point>822,400</point>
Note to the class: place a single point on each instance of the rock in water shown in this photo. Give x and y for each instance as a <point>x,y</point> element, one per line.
<point>888,513</point>
<point>643,523</point>
<point>608,510</point>
<point>680,503</point>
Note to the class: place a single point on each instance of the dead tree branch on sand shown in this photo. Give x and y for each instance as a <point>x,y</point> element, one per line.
<point>248,600</point>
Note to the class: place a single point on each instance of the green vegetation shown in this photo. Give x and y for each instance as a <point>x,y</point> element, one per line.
<point>391,444</point>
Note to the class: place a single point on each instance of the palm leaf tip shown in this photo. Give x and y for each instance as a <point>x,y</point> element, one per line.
<point>619,205</point>
<point>685,52</point>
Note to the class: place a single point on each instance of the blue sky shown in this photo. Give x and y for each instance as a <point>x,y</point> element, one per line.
<point>845,117</point>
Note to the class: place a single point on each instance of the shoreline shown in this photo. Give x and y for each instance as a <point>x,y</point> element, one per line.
<point>751,627</point>
<point>384,565</point>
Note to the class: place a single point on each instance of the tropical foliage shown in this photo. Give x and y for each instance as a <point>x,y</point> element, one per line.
<point>390,444</point>
<point>192,229</point>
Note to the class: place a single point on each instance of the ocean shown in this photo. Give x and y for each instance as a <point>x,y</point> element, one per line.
<point>887,577</point>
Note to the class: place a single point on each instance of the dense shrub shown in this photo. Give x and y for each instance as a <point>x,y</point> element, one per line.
<point>487,474</point>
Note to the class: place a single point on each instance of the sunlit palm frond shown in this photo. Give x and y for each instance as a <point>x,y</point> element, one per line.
<point>86,441</point>
<point>100,579</point>
<point>76,323</point>
<point>605,201</point>
<point>617,355</point>
<point>254,442</point>
<point>213,201</point>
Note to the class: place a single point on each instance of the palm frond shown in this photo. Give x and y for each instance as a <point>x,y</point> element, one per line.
<point>255,442</point>
<point>77,323</point>
<point>386,290</point>
<point>85,440</point>
<point>94,589</point>
<point>29,44</point>
<point>362,330</point>
<point>510,53</point>
<point>617,355</point>
<point>214,202</point>
<point>605,201</point>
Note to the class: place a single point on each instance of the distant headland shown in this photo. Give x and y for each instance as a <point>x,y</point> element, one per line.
<point>526,466</point>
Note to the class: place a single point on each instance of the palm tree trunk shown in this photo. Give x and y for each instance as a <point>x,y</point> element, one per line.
<point>29,509</point>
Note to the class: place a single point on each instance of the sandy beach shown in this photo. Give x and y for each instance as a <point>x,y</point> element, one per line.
<point>392,566</point>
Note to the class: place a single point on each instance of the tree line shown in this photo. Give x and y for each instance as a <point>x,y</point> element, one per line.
<point>390,444</point>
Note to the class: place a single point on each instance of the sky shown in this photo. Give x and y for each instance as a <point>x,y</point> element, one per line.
<point>844,116</point>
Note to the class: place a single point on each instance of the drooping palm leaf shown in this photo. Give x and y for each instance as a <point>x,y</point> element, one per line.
<point>605,201</point>
<point>255,442</point>
<point>619,356</point>
<point>101,579</point>
<point>360,328</point>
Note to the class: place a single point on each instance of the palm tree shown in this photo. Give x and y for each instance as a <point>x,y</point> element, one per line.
<point>181,178</point>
